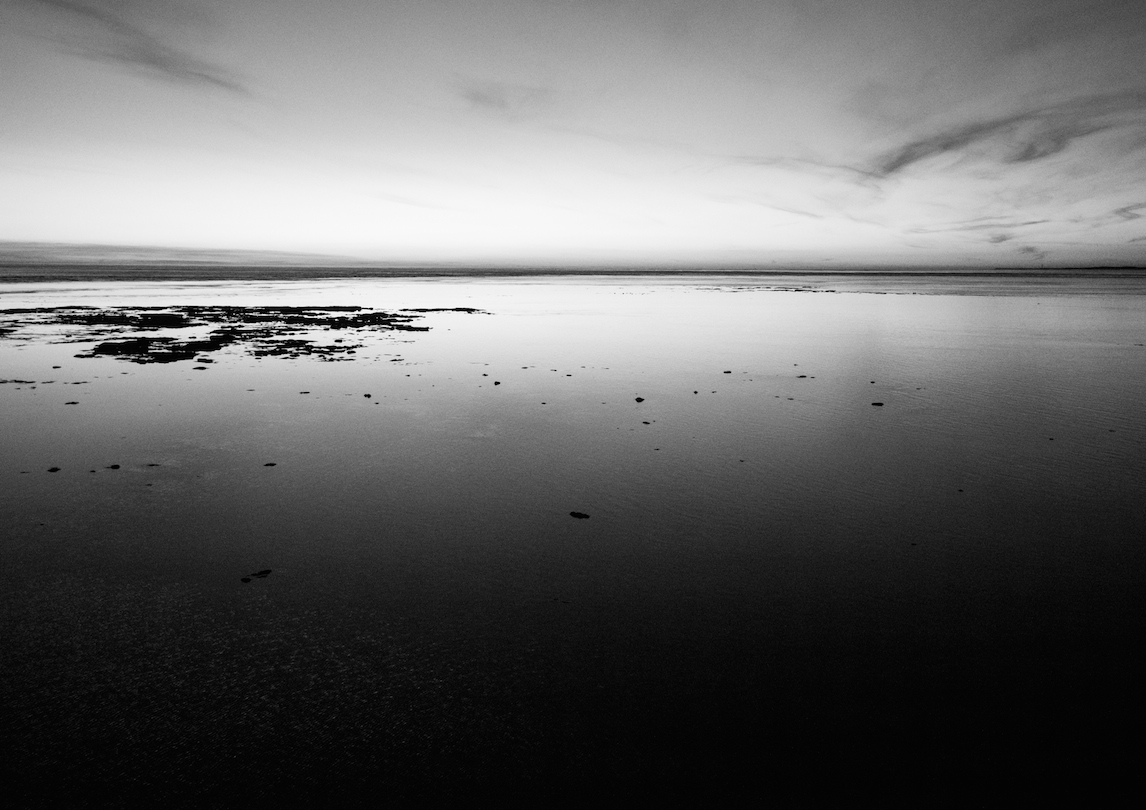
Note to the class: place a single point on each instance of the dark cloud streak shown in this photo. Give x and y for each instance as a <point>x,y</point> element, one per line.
<point>513,101</point>
<point>1028,136</point>
<point>110,37</point>
<point>976,225</point>
<point>1129,212</point>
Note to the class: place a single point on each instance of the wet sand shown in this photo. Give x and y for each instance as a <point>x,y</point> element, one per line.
<point>599,539</point>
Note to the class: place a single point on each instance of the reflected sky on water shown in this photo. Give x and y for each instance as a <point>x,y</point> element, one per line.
<point>770,556</point>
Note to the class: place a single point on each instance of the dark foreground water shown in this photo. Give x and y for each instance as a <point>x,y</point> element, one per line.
<point>782,590</point>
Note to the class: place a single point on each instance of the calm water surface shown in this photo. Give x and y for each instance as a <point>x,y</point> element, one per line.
<point>781,589</point>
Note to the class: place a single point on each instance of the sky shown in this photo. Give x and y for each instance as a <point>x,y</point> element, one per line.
<point>775,133</point>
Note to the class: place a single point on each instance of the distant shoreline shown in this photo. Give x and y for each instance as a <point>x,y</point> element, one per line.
<point>30,272</point>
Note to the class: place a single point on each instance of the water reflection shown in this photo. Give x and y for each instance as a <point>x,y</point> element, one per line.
<point>776,577</point>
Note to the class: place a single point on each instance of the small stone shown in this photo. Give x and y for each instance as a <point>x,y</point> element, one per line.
<point>245,579</point>
<point>366,395</point>
<point>496,382</point>
<point>579,515</point>
<point>878,404</point>
<point>269,464</point>
<point>639,399</point>
<point>73,402</point>
<point>53,469</point>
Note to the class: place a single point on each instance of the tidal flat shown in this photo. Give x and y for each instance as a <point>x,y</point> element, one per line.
<point>568,539</point>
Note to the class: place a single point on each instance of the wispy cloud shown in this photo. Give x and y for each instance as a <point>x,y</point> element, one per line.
<point>1129,212</point>
<point>979,224</point>
<point>1033,252</point>
<point>504,99</point>
<point>103,30</point>
<point>1024,136</point>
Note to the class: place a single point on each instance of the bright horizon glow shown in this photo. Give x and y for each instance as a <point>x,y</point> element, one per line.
<point>802,133</point>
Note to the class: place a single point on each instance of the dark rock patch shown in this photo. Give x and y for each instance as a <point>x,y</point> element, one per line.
<point>163,320</point>
<point>878,404</point>
<point>639,399</point>
<point>260,331</point>
<point>470,310</point>
<point>579,515</point>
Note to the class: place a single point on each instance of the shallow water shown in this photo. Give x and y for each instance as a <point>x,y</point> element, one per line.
<point>781,587</point>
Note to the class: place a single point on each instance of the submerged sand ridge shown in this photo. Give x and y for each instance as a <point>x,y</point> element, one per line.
<point>262,331</point>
